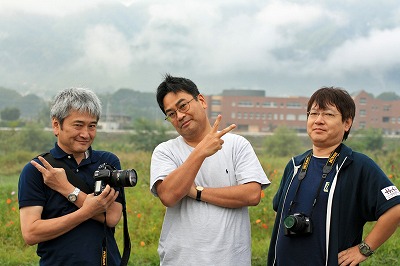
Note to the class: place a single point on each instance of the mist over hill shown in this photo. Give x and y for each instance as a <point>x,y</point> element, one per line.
<point>123,101</point>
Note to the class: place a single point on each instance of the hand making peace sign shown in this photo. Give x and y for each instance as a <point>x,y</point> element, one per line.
<point>212,142</point>
<point>55,178</point>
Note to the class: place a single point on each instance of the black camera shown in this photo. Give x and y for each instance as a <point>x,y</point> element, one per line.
<point>107,174</point>
<point>297,224</point>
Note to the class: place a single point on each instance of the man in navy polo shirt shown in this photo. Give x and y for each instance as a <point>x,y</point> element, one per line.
<point>67,224</point>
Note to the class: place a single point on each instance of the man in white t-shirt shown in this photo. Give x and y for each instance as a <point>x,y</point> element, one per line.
<point>207,179</point>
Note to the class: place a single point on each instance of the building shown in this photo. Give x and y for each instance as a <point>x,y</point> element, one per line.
<point>114,122</point>
<point>253,112</point>
<point>376,113</point>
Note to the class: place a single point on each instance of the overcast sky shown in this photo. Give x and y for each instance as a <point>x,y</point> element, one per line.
<point>286,48</point>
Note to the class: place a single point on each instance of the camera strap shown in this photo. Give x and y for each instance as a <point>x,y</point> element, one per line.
<point>325,171</point>
<point>78,182</point>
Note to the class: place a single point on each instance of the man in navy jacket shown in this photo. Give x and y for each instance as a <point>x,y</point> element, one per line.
<point>328,194</point>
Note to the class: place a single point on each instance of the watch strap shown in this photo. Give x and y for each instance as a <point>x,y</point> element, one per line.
<point>199,190</point>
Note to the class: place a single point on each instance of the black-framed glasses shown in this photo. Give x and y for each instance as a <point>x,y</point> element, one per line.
<point>183,108</point>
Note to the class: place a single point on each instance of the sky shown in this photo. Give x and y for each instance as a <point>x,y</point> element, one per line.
<point>287,48</point>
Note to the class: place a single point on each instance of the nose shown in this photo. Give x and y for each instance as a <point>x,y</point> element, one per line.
<point>85,132</point>
<point>180,115</point>
<point>319,118</point>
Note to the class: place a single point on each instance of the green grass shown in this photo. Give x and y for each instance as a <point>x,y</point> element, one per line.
<point>145,216</point>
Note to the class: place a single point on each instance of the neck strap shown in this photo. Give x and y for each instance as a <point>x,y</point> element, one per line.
<point>325,171</point>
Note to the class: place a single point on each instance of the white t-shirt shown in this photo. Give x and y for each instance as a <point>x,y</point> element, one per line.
<point>199,233</point>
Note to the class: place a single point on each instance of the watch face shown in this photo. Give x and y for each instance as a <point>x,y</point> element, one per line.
<point>365,250</point>
<point>72,197</point>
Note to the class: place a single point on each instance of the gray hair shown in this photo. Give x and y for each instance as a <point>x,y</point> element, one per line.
<point>75,99</point>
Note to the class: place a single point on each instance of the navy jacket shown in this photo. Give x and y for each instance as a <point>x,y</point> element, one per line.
<point>360,192</point>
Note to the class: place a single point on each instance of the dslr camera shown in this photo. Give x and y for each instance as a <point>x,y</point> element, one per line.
<point>107,174</point>
<point>297,224</point>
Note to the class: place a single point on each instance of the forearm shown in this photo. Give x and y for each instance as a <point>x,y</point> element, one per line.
<point>232,196</point>
<point>384,228</point>
<point>177,184</point>
<point>113,214</point>
<point>43,230</point>
<point>67,188</point>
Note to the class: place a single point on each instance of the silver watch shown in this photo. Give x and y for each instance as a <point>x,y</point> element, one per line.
<point>365,249</point>
<point>73,196</point>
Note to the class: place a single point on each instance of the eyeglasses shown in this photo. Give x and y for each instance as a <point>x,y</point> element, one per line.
<point>325,115</point>
<point>183,108</point>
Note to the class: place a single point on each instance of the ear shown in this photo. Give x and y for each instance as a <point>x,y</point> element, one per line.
<point>202,100</point>
<point>347,124</point>
<point>56,126</point>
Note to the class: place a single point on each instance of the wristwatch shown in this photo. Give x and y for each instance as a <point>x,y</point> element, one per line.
<point>365,249</point>
<point>199,190</point>
<point>73,196</point>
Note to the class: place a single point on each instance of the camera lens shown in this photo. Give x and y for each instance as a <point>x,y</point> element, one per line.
<point>132,177</point>
<point>290,221</point>
<point>295,222</point>
<point>124,178</point>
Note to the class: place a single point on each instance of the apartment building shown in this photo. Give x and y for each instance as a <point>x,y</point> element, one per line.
<point>253,112</point>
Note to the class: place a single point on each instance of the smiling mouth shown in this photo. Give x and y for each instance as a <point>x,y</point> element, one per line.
<point>185,123</point>
<point>84,142</point>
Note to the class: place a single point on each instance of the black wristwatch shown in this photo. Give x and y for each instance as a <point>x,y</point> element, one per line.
<point>365,249</point>
<point>199,190</point>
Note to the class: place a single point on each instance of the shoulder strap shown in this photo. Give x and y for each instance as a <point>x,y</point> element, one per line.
<point>72,177</point>
<point>127,241</point>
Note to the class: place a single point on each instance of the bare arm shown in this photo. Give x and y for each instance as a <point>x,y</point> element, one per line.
<point>56,179</point>
<point>382,230</point>
<point>231,197</point>
<point>177,184</point>
<point>35,229</point>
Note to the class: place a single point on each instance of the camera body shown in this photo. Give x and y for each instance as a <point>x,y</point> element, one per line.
<point>107,174</point>
<point>297,224</point>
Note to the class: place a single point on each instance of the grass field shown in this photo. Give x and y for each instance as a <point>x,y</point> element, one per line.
<point>145,215</point>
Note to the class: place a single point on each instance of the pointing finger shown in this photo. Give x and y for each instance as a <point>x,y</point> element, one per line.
<point>216,123</point>
<point>38,166</point>
<point>226,130</point>
<point>45,163</point>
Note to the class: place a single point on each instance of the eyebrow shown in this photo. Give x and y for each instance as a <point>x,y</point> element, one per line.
<point>333,109</point>
<point>83,122</point>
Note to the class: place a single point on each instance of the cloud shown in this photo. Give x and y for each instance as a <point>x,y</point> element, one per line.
<point>283,13</point>
<point>283,46</point>
<point>104,47</point>
<point>379,51</point>
<point>56,8</point>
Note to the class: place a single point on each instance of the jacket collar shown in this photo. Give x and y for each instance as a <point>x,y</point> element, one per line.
<point>345,152</point>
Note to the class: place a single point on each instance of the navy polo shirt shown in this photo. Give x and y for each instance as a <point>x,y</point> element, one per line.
<point>83,244</point>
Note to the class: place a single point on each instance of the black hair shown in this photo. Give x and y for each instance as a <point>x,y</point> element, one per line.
<point>175,85</point>
<point>337,97</point>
